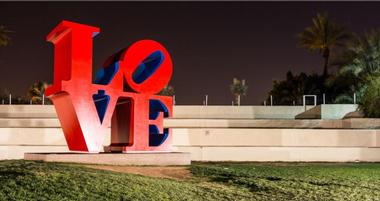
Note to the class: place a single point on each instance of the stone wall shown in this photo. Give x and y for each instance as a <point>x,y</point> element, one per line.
<point>231,137</point>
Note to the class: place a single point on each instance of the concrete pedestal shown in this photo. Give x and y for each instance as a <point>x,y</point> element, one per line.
<point>130,158</point>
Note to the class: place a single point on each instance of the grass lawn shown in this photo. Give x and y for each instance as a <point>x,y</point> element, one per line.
<point>27,180</point>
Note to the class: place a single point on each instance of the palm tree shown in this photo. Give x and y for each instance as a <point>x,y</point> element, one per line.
<point>362,65</point>
<point>322,36</point>
<point>364,55</point>
<point>238,89</point>
<point>36,91</point>
<point>4,38</point>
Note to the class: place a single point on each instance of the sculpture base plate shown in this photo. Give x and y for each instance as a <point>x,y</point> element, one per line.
<point>130,158</point>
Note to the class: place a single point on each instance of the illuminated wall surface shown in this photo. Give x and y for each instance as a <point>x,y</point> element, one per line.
<point>215,133</point>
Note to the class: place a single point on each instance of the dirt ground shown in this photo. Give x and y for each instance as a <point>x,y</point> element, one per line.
<point>178,173</point>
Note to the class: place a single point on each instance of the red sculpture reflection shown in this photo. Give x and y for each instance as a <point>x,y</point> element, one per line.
<point>122,95</point>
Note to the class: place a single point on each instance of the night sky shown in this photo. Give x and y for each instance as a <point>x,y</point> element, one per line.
<point>210,42</point>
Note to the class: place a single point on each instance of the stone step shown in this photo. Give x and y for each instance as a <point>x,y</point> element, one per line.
<point>185,111</point>
<point>329,111</point>
<point>36,137</point>
<point>313,113</point>
<point>276,137</point>
<point>26,111</point>
<point>357,123</point>
<point>215,153</point>
<point>284,154</point>
<point>130,158</point>
<point>217,137</point>
<point>237,112</point>
<point>17,152</point>
<point>29,123</point>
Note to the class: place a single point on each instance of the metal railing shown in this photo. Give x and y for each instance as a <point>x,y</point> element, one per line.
<point>9,101</point>
<point>12,101</point>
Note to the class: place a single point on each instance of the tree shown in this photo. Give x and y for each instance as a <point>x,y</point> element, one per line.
<point>363,55</point>
<point>292,89</point>
<point>322,36</point>
<point>362,62</point>
<point>238,89</point>
<point>362,66</point>
<point>342,87</point>
<point>370,102</point>
<point>4,38</point>
<point>36,91</point>
<point>167,91</point>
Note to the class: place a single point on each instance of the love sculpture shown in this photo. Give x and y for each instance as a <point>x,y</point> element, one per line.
<point>122,96</point>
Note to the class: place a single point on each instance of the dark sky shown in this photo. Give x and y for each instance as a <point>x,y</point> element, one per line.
<point>210,42</point>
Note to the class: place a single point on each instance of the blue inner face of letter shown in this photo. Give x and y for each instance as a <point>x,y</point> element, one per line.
<point>147,67</point>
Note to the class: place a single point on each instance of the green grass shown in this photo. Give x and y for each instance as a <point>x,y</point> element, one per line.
<point>27,180</point>
<point>302,181</point>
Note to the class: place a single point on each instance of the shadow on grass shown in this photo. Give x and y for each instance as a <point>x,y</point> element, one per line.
<point>9,174</point>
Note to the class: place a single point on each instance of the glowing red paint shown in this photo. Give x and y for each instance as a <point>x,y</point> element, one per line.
<point>126,95</point>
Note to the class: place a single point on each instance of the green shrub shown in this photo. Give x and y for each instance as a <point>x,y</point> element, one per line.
<point>370,102</point>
